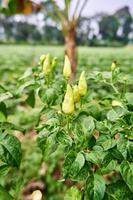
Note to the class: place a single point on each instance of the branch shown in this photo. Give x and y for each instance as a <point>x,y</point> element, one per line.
<point>66,8</point>
<point>76,8</point>
<point>58,11</point>
<point>82,8</point>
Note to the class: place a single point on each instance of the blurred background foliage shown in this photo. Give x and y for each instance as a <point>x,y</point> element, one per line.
<point>32,23</point>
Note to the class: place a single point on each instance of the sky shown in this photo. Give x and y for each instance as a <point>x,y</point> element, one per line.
<point>109,6</point>
<point>96,6</point>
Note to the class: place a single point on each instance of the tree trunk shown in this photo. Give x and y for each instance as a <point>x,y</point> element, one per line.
<point>70,49</point>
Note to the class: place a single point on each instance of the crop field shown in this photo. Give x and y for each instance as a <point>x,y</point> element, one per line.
<point>21,57</point>
<point>66,140</point>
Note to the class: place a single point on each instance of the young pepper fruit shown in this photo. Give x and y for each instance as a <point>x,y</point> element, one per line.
<point>82,85</point>
<point>68,103</point>
<point>67,68</point>
<point>76,94</point>
<point>37,195</point>
<point>113,66</point>
<point>47,67</point>
<point>42,58</point>
<point>54,62</point>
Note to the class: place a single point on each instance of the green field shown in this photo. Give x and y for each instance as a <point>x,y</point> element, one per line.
<point>20,57</point>
<point>15,59</point>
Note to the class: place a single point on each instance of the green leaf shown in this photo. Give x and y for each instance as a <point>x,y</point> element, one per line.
<point>100,126</point>
<point>116,154</point>
<point>118,191</point>
<point>31,99</point>
<point>94,110</point>
<point>116,113</point>
<point>110,167</point>
<point>9,126</point>
<point>109,144</point>
<point>4,170</point>
<point>17,184</point>
<point>88,125</point>
<point>130,136</point>
<point>72,194</point>
<point>3,110</point>
<point>30,85</point>
<point>2,117</point>
<point>83,173</point>
<point>26,74</point>
<point>68,162</point>
<point>2,89</point>
<point>64,139</point>
<point>10,150</point>
<point>4,195</point>
<point>106,75</point>
<point>122,147</point>
<point>52,122</point>
<point>91,141</point>
<point>79,137</point>
<point>42,139</point>
<point>130,150</point>
<point>48,96</point>
<point>47,140</point>
<point>4,96</point>
<point>95,157</point>
<point>112,115</point>
<point>126,170</point>
<point>103,138</point>
<point>77,164</point>
<point>129,98</point>
<point>121,111</point>
<point>95,187</point>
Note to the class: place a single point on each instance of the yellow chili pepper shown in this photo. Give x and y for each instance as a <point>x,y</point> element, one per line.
<point>54,62</point>
<point>113,66</point>
<point>42,58</point>
<point>67,68</point>
<point>68,103</point>
<point>47,67</point>
<point>82,86</point>
<point>36,195</point>
<point>76,94</point>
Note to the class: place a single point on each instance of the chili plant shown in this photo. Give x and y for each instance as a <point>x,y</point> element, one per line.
<point>91,121</point>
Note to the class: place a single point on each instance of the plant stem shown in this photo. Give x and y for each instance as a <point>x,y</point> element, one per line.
<point>67,121</point>
<point>114,88</point>
<point>81,103</point>
<point>47,81</point>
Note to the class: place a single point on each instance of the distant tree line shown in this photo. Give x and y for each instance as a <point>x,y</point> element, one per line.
<point>99,30</point>
<point>115,29</point>
<point>24,32</point>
